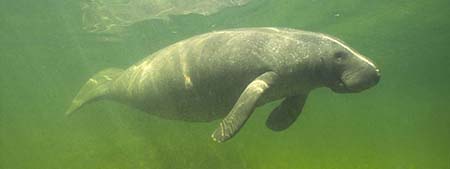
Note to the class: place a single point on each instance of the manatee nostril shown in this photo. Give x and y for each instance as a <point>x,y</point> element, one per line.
<point>377,76</point>
<point>378,72</point>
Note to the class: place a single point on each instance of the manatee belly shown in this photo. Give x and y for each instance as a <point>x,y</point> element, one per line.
<point>191,98</point>
<point>200,103</point>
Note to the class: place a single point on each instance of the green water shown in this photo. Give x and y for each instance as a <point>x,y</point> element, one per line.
<point>402,123</point>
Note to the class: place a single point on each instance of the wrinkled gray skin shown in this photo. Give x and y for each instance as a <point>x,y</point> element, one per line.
<point>229,73</point>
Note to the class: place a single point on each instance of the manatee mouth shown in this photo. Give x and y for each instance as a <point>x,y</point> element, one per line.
<point>341,87</point>
<point>344,84</point>
<point>354,82</point>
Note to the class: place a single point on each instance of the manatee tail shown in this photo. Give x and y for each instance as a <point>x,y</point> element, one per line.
<point>95,88</point>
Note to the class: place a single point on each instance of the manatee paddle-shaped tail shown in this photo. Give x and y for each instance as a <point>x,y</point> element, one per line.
<point>244,107</point>
<point>95,88</point>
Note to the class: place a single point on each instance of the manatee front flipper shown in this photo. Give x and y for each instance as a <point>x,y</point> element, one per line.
<point>286,113</point>
<point>244,107</point>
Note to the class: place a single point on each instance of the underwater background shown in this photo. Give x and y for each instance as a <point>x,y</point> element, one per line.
<point>402,123</point>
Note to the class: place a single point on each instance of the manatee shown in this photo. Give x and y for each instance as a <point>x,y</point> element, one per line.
<point>227,74</point>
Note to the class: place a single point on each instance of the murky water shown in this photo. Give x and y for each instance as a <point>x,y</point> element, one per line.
<point>402,123</point>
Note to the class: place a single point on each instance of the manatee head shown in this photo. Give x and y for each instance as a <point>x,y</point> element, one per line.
<point>344,69</point>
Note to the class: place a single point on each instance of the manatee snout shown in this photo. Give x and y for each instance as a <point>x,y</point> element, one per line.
<point>360,79</point>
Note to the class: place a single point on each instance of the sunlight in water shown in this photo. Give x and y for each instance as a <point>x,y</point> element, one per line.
<point>114,16</point>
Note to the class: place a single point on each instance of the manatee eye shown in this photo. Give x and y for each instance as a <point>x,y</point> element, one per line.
<point>340,55</point>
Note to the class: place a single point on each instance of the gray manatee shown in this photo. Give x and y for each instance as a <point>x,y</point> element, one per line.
<point>226,74</point>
